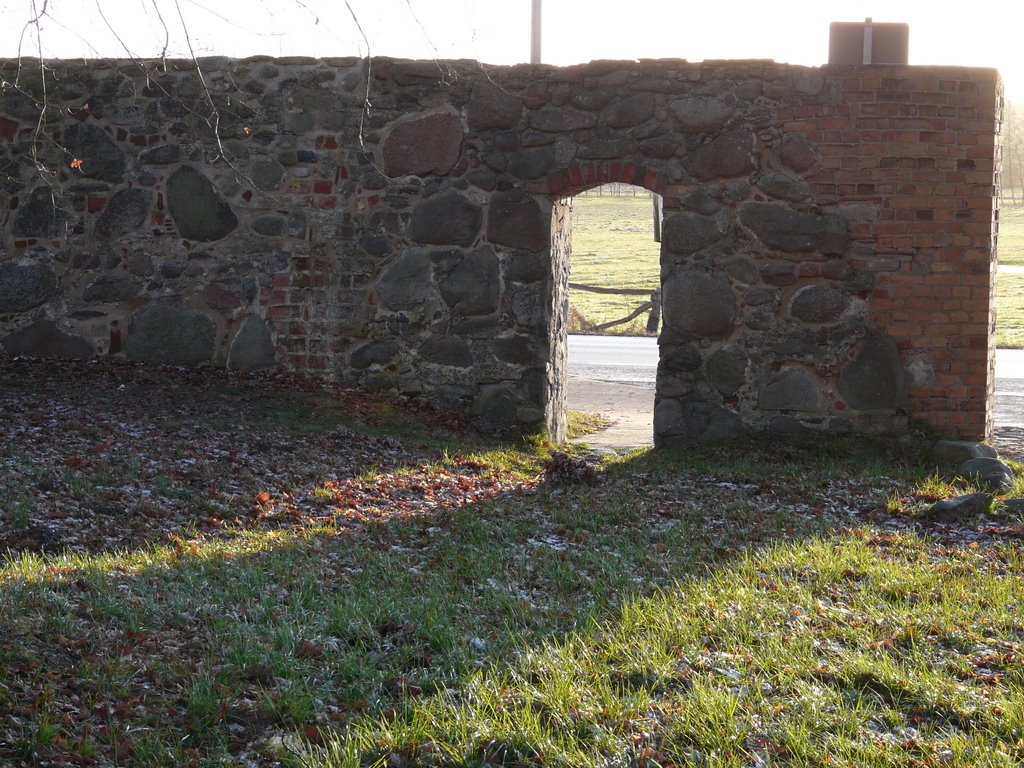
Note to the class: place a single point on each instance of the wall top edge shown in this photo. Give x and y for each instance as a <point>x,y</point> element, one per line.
<point>222,62</point>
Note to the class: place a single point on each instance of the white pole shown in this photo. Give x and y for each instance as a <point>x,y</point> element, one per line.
<point>535,33</point>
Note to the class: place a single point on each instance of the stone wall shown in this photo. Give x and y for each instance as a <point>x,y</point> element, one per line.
<point>828,249</point>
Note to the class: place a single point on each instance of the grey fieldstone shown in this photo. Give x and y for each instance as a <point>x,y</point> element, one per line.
<point>167,333</point>
<point>218,297</point>
<point>374,353</point>
<point>270,225</point>
<point>727,370</point>
<point>758,297</point>
<point>490,108</point>
<point>24,286</point>
<point>140,263</point>
<point>472,287</point>
<point>684,232</point>
<point>630,111</point>
<point>791,389</point>
<point>742,270</point>
<point>85,260</point>
<point>515,349</point>
<point>297,224</point>
<point>450,351</point>
<point>685,357</point>
<point>782,273</point>
<point>786,230</point>
<point>727,156</point>
<point>684,422</point>
<point>700,114</point>
<point>44,339</point>
<point>198,211</point>
<point>446,219</point>
<point>1013,506</point>
<point>991,475</point>
<point>697,305</point>
<point>558,120</point>
<point>100,158</point>
<point>705,201</point>
<point>956,509</point>
<point>163,154</point>
<point>406,283</point>
<point>527,308</point>
<point>875,377</point>
<point>783,187</point>
<point>818,304</point>
<point>125,212</point>
<point>252,348</point>
<point>266,174</point>
<point>798,154</point>
<point>531,163</point>
<point>516,219</point>
<point>109,289</point>
<point>495,407</point>
<point>10,175</point>
<point>43,214</point>
<point>959,451</point>
<point>592,101</point>
<point>425,145</point>
<point>525,267</point>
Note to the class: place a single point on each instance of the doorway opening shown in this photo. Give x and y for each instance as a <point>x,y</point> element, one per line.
<point>614,309</point>
<point>1008,410</point>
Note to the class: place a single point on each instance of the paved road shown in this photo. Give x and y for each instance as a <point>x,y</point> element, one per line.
<point>616,375</point>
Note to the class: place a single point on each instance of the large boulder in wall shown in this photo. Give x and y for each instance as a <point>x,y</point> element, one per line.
<point>446,219</point>
<point>252,348</point>
<point>699,305</point>
<point>875,377</point>
<point>44,339</point>
<point>198,211</point>
<point>426,145</point>
<point>24,286</point>
<point>167,333</point>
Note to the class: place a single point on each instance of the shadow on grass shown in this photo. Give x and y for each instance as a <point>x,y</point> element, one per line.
<point>445,606</point>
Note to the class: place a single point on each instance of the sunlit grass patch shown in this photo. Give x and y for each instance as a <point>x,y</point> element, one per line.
<point>866,649</point>
<point>582,424</point>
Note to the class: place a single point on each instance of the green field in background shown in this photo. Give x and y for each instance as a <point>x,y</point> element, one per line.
<point>1010,286</point>
<point>613,247</point>
<point>1011,235</point>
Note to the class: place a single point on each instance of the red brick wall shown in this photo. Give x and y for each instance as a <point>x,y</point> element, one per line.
<point>918,147</point>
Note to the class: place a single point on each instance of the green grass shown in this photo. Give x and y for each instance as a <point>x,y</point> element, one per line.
<point>717,606</point>
<point>834,650</point>
<point>613,247</point>
<point>1010,310</point>
<point>582,424</point>
<point>1011,235</point>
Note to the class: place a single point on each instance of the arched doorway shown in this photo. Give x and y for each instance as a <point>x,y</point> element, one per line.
<point>614,315</point>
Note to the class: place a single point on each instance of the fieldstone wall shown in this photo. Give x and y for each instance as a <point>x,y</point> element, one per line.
<point>828,248</point>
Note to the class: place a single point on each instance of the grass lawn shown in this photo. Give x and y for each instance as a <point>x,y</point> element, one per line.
<point>1011,235</point>
<point>1010,310</point>
<point>213,569</point>
<point>613,247</point>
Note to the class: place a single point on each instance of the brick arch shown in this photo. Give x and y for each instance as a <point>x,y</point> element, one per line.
<point>580,177</point>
